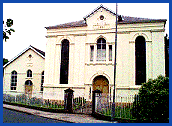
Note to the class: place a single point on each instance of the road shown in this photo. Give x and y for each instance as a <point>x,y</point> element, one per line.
<point>11,116</point>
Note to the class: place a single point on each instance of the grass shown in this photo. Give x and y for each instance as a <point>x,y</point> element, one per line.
<point>124,112</point>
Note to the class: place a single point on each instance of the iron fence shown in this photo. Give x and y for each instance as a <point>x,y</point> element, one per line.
<point>123,106</point>
<point>33,101</point>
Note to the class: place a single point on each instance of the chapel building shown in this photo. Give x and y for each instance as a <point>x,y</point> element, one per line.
<point>24,74</point>
<point>80,55</point>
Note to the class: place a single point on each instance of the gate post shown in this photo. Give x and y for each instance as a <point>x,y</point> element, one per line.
<point>95,94</point>
<point>68,100</point>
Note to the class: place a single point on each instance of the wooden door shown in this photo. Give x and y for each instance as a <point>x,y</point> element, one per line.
<point>28,88</point>
<point>101,83</point>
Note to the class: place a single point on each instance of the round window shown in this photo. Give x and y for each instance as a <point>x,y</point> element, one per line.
<point>101,17</point>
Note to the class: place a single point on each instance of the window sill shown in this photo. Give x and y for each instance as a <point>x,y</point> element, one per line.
<point>29,78</point>
<point>99,63</point>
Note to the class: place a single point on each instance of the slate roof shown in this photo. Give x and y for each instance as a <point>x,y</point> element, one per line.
<point>39,52</point>
<point>130,20</point>
<point>125,20</point>
<point>80,23</point>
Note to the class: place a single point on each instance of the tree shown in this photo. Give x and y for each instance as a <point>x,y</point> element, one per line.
<point>152,102</point>
<point>5,61</point>
<point>166,40</point>
<point>7,29</point>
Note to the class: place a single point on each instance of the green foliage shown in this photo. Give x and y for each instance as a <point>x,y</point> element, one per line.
<point>7,29</point>
<point>152,102</point>
<point>5,61</point>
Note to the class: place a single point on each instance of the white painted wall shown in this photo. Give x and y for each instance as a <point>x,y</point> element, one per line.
<point>82,71</point>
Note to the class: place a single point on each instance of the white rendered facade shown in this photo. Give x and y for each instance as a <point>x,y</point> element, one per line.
<point>83,64</point>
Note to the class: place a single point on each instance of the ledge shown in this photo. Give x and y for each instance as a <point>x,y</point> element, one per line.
<point>136,87</point>
<point>99,63</point>
<point>64,86</point>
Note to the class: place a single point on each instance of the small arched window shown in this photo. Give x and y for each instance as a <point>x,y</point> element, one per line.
<point>29,73</point>
<point>28,83</point>
<point>42,80</point>
<point>13,80</point>
<point>101,49</point>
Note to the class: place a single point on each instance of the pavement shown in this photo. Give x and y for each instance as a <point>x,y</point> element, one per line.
<point>70,118</point>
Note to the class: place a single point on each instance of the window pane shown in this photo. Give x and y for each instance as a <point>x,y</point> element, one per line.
<point>103,46</point>
<point>101,55</point>
<point>101,49</point>
<point>13,80</point>
<point>29,73</point>
<point>110,52</point>
<point>64,62</point>
<point>98,46</point>
<point>91,53</point>
<point>140,60</point>
<point>12,84</point>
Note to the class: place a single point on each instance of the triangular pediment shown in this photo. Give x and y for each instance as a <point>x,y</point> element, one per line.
<point>101,18</point>
<point>101,7</point>
<point>37,51</point>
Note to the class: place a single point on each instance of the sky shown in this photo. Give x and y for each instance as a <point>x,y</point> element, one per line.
<point>30,20</point>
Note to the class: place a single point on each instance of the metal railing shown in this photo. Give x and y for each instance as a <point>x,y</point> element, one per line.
<point>32,101</point>
<point>123,106</point>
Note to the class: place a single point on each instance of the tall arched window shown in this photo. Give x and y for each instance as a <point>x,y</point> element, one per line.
<point>101,49</point>
<point>42,80</point>
<point>29,73</point>
<point>64,67</point>
<point>13,80</point>
<point>140,60</point>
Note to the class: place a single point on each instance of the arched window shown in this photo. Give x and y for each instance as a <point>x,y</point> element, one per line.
<point>42,80</point>
<point>64,67</point>
<point>140,60</point>
<point>101,49</point>
<point>29,73</point>
<point>13,80</point>
<point>28,83</point>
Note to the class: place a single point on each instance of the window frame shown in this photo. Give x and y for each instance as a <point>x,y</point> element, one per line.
<point>13,80</point>
<point>140,60</point>
<point>101,46</point>
<point>110,52</point>
<point>42,80</point>
<point>29,73</point>
<point>91,53</point>
<point>64,65</point>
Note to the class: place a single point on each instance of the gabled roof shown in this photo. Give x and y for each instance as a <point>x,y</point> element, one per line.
<point>131,20</point>
<point>39,52</point>
<point>95,10</point>
<point>125,20</point>
<point>80,23</point>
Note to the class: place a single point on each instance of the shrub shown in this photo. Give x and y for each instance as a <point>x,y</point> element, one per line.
<point>152,102</point>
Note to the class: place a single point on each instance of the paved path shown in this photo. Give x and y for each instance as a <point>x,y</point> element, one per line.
<point>12,116</point>
<point>74,118</point>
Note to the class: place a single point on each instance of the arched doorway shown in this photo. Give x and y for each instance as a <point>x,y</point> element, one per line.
<point>28,88</point>
<point>101,83</point>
